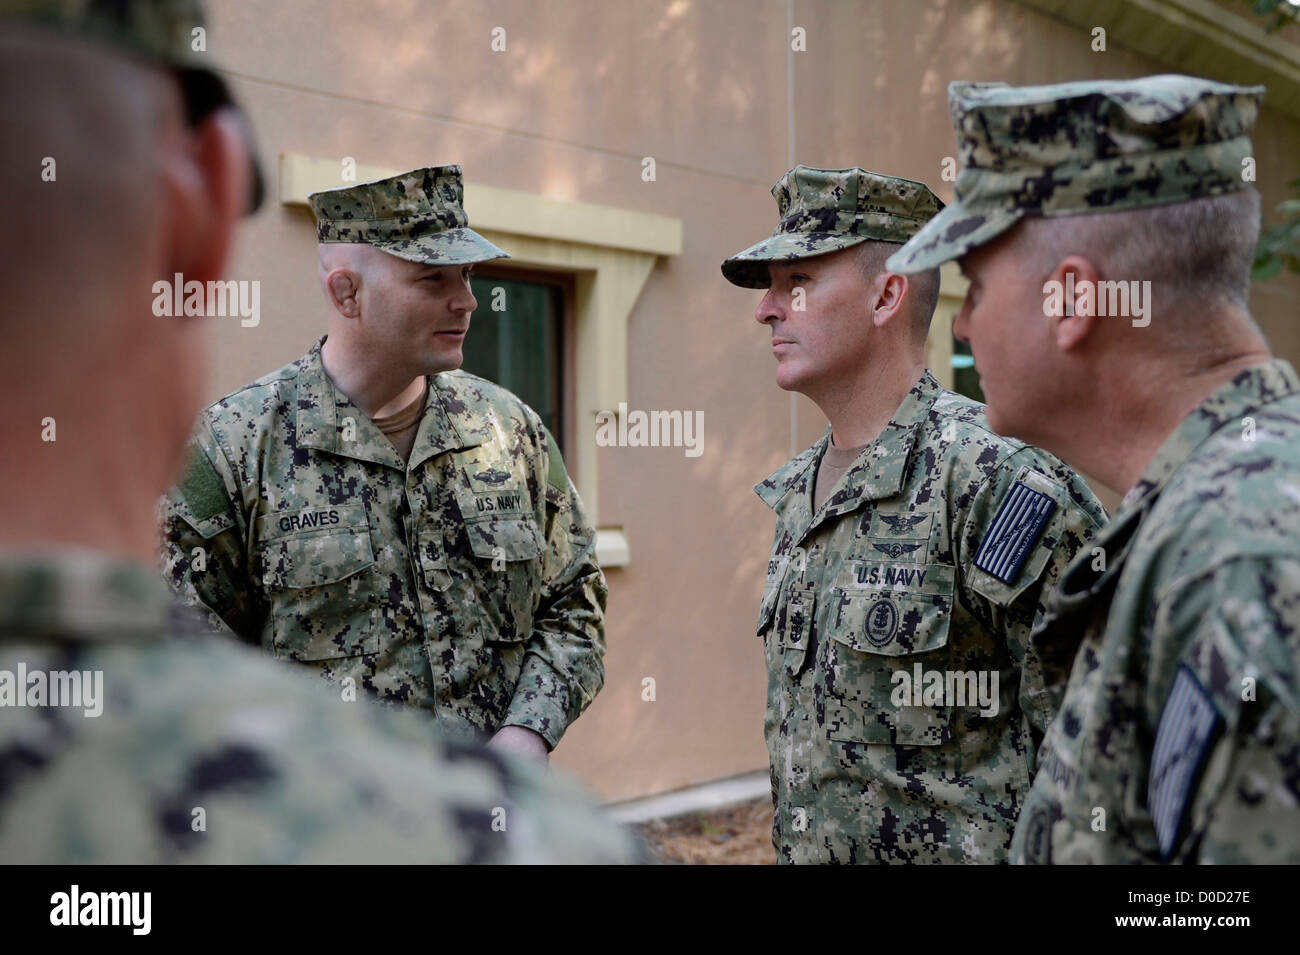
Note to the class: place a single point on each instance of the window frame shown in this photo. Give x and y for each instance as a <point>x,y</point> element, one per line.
<point>567,284</point>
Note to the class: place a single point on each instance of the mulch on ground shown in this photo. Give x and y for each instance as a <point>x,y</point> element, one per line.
<point>737,835</point>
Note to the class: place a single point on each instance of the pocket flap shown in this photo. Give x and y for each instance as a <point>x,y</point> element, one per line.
<point>892,623</point>
<point>516,539</point>
<point>317,559</point>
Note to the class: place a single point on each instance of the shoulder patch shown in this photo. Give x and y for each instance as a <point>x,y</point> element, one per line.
<point>1015,529</point>
<point>1188,724</point>
<point>201,486</point>
<point>556,477</point>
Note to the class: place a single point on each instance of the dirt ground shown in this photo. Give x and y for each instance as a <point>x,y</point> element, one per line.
<point>737,835</point>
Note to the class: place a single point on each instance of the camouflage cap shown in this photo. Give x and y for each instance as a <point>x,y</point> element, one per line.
<point>417,215</point>
<point>159,31</point>
<point>824,210</point>
<point>1076,148</point>
<point>152,29</point>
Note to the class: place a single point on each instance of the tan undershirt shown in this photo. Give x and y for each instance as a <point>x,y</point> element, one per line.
<point>400,427</point>
<point>834,464</point>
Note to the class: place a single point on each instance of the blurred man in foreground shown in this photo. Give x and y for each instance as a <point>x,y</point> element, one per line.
<point>118,743</point>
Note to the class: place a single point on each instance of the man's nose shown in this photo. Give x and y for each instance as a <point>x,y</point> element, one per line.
<point>465,301</point>
<point>768,309</point>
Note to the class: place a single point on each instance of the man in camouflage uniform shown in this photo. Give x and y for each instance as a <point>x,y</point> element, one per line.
<point>447,564</point>
<point>118,742</point>
<point>912,551</point>
<point>1179,736</point>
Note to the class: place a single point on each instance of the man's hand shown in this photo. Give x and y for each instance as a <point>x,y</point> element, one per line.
<point>521,741</point>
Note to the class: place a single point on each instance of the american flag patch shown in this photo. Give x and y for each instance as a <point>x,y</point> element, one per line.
<point>1187,725</point>
<point>1016,528</point>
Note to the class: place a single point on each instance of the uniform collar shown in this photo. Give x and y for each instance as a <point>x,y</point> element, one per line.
<point>1252,387</point>
<point>1081,583</point>
<point>449,424</point>
<point>878,473</point>
<point>323,410</point>
<point>80,595</point>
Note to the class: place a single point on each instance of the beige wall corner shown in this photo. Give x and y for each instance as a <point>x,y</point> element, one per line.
<point>938,346</point>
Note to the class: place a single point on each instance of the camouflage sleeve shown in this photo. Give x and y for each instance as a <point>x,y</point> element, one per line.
<point>1224,698</point>
<point>564,667</point>
<point>1023,525</point>
<point>202,534</point>
<point>216,755</point>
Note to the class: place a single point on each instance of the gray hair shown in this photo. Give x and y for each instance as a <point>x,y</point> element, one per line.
<point>922,287</point>
<point>1195,253</point>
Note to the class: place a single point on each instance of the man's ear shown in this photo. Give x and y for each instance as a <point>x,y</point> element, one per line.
<point>207,175</point>
<point>342,285</point>
<point>889,301</point>
<point>1077,278</point>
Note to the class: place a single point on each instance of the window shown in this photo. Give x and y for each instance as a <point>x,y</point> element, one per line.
<point>518,339</point>
<point>965,381</point>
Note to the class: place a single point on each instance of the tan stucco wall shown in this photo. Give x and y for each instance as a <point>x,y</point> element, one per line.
<point>584,91</point>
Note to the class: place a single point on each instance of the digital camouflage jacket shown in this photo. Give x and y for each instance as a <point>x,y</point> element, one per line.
<point>889,613</point>
<point>463,582</point>
<point>1179,736</point>
<point>123,739</point>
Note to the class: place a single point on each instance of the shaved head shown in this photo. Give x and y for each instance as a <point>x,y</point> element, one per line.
<point>113,190</point>
<point>350,255</point>
<point>93,119</point>
<point>391,321</point>
<point>361,265</point>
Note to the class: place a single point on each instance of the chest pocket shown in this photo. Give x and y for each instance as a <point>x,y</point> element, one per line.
<point>316,566</point>
<point>497,583</point>
<point>507,574</point>
<point>876,640</point>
